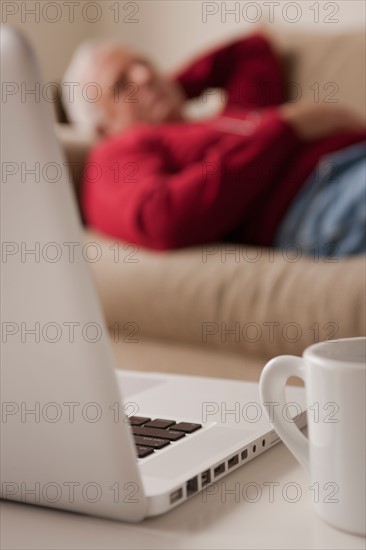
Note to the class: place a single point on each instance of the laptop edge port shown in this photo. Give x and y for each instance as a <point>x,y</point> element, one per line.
<point>205,478</point>
<point>192,486</point>
<point>233,461</point>
<point>220,469</point>
<point>176,495</point>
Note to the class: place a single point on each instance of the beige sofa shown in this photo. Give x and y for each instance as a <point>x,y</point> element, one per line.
<point>224,310</point>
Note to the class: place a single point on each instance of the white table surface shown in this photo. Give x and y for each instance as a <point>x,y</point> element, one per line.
<point>236,523</point>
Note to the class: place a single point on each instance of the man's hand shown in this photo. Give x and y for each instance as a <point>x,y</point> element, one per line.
<point>313,121</point>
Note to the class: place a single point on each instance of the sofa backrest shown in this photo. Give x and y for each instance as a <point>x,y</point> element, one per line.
<point>318,67</point>
<point>325,67</point>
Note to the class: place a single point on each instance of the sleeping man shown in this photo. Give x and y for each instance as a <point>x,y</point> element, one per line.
<point>261,172</point>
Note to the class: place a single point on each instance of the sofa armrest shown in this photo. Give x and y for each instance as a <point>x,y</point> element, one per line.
<point>75,145</point>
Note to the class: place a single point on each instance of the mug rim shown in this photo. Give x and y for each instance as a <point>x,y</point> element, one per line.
<point>311,353</point>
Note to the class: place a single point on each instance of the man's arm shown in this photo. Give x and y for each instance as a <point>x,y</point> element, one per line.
<point>313,121</point>
<point>249,70</point>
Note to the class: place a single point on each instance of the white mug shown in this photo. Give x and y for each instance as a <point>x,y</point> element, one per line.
<point>333,455</point>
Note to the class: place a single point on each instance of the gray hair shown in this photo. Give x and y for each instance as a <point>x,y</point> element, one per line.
<point>80,109</point>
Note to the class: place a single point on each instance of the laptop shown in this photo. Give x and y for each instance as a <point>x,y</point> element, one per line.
<point>77,434</point>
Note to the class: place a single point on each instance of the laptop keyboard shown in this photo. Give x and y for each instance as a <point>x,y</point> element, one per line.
<point>153,435</point>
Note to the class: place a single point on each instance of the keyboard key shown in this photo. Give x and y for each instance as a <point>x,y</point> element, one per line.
<point>144,451</point>
<point>155,432</point>
<point>160,423</point>
<point>151,442</point>
<point>138,420</point>
<point>186,427</point>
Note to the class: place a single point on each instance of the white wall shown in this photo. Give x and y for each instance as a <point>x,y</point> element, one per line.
<point>172,30</point>
<point>168,30</point>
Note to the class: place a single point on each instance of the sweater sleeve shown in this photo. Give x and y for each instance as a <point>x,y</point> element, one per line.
<point>248,69</point>
<point>155,205</point>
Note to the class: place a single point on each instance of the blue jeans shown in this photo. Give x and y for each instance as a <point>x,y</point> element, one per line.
<point>329,213</point>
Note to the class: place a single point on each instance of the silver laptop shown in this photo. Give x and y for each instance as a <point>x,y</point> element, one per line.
<point>76,433</point>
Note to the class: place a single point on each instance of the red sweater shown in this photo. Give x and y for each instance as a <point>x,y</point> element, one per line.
<point>232,177</point>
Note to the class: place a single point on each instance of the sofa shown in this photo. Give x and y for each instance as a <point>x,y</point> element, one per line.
<point>225,309</point>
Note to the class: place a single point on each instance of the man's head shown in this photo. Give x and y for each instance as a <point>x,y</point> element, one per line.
<point>113,88</point>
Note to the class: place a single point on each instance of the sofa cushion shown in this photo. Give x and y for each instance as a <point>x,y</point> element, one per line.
<point>230,297</point>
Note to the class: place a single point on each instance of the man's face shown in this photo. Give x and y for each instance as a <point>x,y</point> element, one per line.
<point>132,90</point>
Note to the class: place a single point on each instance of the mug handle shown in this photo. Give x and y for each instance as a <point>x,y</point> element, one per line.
<point>272,390</point>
